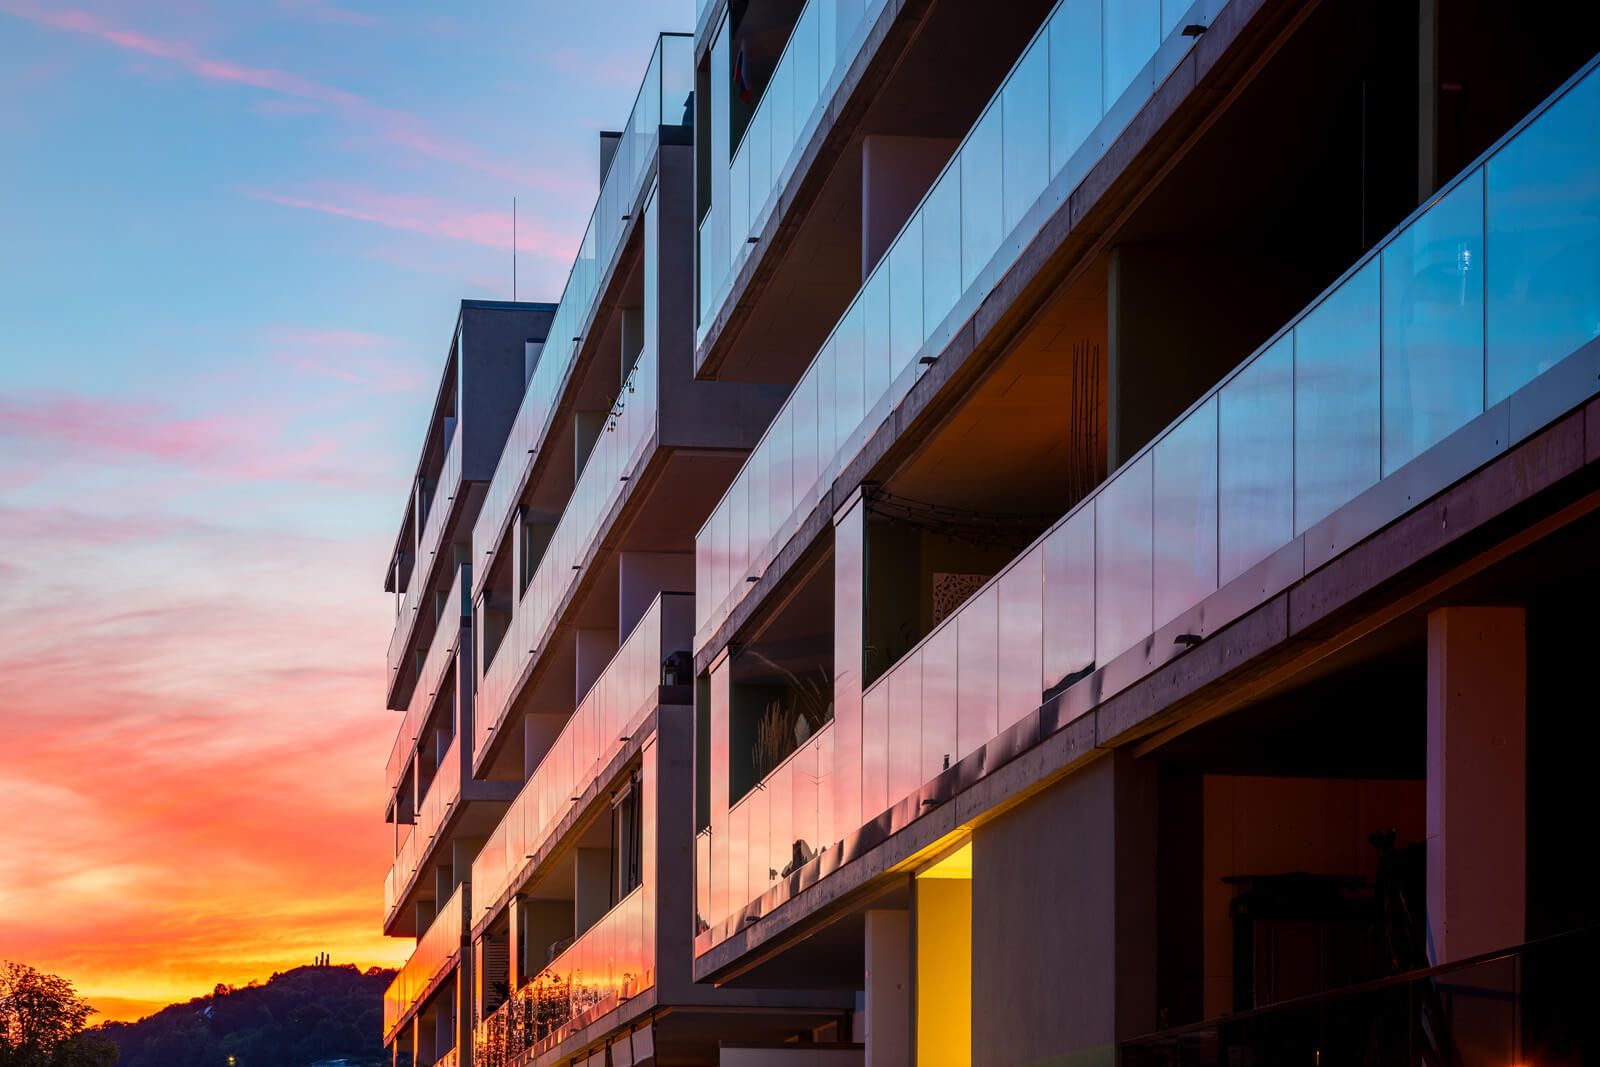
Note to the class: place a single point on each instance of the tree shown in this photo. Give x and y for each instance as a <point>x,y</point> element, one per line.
<point>41,1022</point>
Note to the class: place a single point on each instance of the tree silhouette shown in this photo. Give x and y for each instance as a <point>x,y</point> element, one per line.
<point>41,1022</point>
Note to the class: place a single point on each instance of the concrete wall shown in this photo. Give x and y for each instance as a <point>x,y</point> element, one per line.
<point>944,972</point>
<point>1063,919</point>
<point>493,358</point>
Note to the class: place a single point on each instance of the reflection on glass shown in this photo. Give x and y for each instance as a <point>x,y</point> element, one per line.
<point>1186,513</point>
<point>1132,34</point>
<point>1433,324</point>
<point>874,752</point>
<point>1075,77</point>
<point>905,297</point>
<point>1336,398</point>
<point>849,341</point>
<point>904,687</point>
<point>874,301</point>
<point>977,679</point>
<point>1542,200</point>
<point>1069,611</point>
<point>1122,564</point>
<point>1021,638</point>
<point>1026,115</point>
<point>981,196</point>
<point>938,658</point>
<point>941,249</point>
<point>780,816</point>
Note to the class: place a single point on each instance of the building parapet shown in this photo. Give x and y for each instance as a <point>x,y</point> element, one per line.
<point>436,954</point>
<point>441,651</point>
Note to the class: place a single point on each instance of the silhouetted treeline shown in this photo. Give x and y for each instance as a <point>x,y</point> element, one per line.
<point>294,1019</point>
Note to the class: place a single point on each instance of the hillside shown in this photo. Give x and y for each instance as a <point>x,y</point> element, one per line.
<point>294,1019</point>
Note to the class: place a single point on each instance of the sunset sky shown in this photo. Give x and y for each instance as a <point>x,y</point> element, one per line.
<point>232,239</point>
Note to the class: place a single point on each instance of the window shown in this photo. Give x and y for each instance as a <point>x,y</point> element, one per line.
<point>627,830</point>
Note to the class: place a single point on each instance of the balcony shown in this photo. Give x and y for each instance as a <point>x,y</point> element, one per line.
<point>624,694</point>
<point>1523,1005</point>
<point>667,85</point>
<point>435,955</point>
<point>441,651</point>
<point>1076,87</point>
<point>608,964</point>
<point>616,456</point>
<point>443,793</point>
<point>433,527</point>
<point>1464,332</point>
<point>820,49</point>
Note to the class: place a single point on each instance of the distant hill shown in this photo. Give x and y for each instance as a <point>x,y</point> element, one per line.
<point>294,1019</point>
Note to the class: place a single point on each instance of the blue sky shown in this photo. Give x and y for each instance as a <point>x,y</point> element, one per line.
<point>232,242</point>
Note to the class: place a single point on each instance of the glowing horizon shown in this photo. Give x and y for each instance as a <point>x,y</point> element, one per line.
<point>228,305</point>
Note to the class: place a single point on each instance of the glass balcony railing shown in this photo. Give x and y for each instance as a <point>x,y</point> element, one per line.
<point>1528,1004</point>
<point>1488,287</point>
<point>437,803</point>
<point>1078,84</point>
<point>612,961</point>
<point>618,450</point>
<point>441,649</point>
<point>663,99</point>
<point>432,531</point>
<point>436,952</point>
<point>623,693</point>
<point>824,41</point>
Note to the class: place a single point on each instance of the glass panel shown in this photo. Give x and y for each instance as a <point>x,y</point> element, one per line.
<point>977,678</point>
<point>1122,560</point>
<point>780,817</point>
<point>1186,513</point>
<point>738,207</point>
<point>1026,101</point>
<point>848,340</point>
<point>938,677</point>
<point>905,297</point>
<point>779,446</point>
<point>807,457</point>
<point>1542,250</point>
<point>756,831</point>
<point>1433,324</point>
<point>1172,15</point>
<point>1132,34</point>
<point>848,553</point>
<point>1336,398</point>
<point>1075,77</point>
<point>905,727</point>
<point>827,407</point>
<point>758,472</point>
<point>803,804</point>
<point>875,326</point>
<point>738,857</point>
<point>738,506</point>
<point>874,752</point>
<point>980,195</point>
<point>941,250</point>
<point>827,825</point>
<point>1021,638</point>
<point>1069,599</point>
<point>1256,464</point>
<point>778,104</point>
<point>802,53</point>
<point>758,146</point>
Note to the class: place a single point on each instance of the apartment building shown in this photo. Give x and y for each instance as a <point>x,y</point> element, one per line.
<point>1150,629</point>
<point>544,860</point>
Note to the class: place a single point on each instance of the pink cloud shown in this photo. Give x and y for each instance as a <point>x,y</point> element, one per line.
<point>392,126</point>
<point>352,356</point>
<point>424,215</point>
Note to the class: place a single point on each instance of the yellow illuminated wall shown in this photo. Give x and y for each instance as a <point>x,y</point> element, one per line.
<point>944,962</point>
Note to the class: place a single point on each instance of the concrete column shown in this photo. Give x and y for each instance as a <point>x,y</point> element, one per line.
<point>544,922</point>
<point>642,575</point>
<point>888,957</point>
<point>591,886</point>
<point>1064,919</point>
<point>424,911</point>
<point>1477,780</point>
<point>594,649</point>
<point>465,1024</point>
<point>609,140</point>
<point>462,852</point>
<point>895,174</point>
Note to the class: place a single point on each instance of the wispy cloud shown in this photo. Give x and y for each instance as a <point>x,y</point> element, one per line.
<point>332,13</point>
<point>391,126</point>
<point>424,215</point>
<point>352,356</point>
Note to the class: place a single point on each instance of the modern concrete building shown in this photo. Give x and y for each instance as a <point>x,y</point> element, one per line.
<point>1150,630</point>
<point>1036,532</point>
<point>558,826</point>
